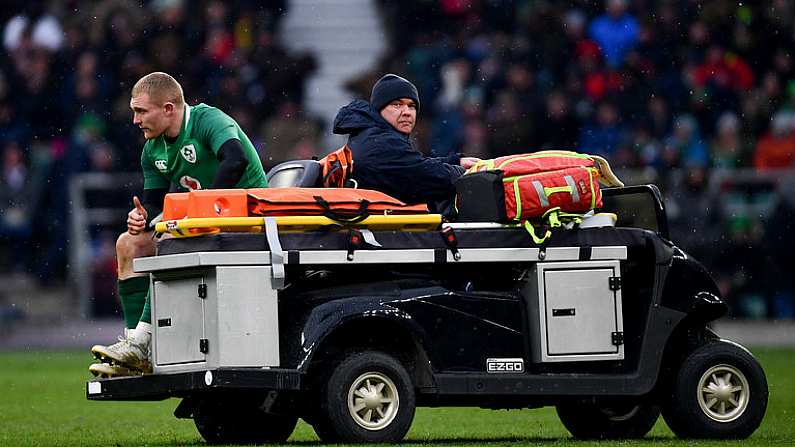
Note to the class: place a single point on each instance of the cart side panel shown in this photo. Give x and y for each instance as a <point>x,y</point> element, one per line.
<point>214,316</point>
<point>247,324</point>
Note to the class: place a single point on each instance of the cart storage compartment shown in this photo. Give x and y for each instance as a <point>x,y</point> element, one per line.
<point>179,320</point>
<point>214,316</point>
<point>575,311</point>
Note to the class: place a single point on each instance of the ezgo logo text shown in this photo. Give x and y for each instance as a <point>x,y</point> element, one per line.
<point>497,366</point>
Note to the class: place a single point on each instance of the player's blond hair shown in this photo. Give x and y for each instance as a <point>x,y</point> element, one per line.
<point>161,88</point>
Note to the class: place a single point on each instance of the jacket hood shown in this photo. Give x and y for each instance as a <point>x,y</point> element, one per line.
<point>356,116</point>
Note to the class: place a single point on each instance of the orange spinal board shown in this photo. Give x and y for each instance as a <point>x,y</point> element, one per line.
<point>206,203</point>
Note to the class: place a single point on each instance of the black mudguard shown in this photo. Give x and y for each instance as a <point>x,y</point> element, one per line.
<point>312,316</point>
<point>689,288</point>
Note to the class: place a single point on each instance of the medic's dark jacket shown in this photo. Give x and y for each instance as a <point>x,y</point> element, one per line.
<point>385,159</point>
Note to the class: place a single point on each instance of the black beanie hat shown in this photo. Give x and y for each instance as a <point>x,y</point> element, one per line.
<point>391,87</point>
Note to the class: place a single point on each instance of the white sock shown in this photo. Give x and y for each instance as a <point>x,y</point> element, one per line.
<point>142,334</point>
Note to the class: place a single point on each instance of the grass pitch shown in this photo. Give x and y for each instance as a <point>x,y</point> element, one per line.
<point>42,403</point>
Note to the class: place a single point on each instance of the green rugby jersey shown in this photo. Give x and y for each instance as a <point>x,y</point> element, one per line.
<point>191,161</point>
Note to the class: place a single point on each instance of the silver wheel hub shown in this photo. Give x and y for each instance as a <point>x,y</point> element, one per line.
<point>723,393</point>
<point>373,401</point>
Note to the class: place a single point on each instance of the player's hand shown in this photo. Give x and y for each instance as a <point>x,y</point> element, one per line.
<point>468,162</point>
<point>136,218</point>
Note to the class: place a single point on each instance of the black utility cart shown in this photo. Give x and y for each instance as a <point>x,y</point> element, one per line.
<point>350,330</point>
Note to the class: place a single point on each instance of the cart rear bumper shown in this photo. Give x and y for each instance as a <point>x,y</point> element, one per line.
<point>164,386</point>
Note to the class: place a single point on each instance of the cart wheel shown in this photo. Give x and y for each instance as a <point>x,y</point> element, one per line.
<point>586,420</point>
<point>221,422</point>
<point>720,392</point>
<point>368,398</point>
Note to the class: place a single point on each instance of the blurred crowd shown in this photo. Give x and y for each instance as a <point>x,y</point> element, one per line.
<point>66,70</point>
<point>673,90</point>
<point>659,84</point>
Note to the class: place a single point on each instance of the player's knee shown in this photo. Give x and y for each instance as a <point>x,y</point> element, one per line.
<point>124,245</point>
<point>130,247</point>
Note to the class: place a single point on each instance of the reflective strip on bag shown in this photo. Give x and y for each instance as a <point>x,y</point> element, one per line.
<point>575,195</point>
<point>542,195</point>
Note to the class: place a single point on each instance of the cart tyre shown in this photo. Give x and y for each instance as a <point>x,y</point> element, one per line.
<point>720,392</point>
<point>617,421</point>
<point>368,398</point>
<point>221,423</point>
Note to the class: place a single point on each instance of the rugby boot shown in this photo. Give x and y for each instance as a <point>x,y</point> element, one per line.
<point>106,371</point>
<point>96,349</point>
<point>126,352</point>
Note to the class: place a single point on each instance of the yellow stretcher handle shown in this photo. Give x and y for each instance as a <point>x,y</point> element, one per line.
<point>209,225</point>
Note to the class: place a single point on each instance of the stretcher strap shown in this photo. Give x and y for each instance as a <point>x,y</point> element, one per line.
<point>342,217</point>
<point>355,241</point>
<point>277,254</point>
<point>451,241</point>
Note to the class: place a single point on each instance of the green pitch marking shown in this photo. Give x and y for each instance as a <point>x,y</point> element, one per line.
<point>42,403</point>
